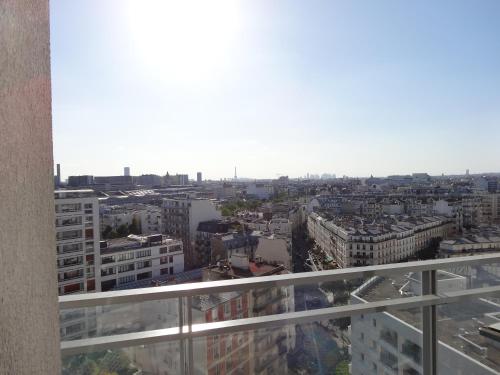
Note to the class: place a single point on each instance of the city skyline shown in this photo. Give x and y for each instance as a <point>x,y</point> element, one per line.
<point>279,88</point>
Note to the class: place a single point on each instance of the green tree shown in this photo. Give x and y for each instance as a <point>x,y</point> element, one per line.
<point>342,368</point>
<point>135,227</point>
<point>106,232</point>
<point>122,230</point>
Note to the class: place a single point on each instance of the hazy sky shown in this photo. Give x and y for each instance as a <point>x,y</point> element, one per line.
<point>276,87</point>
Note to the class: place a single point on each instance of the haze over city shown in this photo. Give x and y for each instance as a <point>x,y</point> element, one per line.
<point>352,88</point>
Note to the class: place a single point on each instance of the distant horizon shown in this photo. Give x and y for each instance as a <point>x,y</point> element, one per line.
<point>192,176</point>
<point>272,87</point>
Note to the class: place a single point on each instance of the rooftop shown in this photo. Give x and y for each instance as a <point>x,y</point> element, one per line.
<point>459,324</point>
<point>134,242</point>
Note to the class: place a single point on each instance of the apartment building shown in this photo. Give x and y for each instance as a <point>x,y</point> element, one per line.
<point>353,242</point>
<point>78,252</point>
<point>181,217</point>
<point>477,240</point>
<point>391,343</point>
<point>77,241</point>
<point>147,217</point>
<point>490,208</point>
<point>256,352</point>
<point>260,190</point>
<point>135,258</point>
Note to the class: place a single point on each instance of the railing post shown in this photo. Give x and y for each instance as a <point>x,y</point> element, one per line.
<point>190,339</point>
<point>181,343</point>
<point>429,328</point>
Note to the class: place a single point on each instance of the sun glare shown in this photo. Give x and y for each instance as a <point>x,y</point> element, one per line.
<point>184,40</point>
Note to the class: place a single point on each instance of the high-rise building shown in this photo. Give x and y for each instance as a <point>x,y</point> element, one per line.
<point>198,178</point>
<point>77,181</point>
<point>126,171</point>
<point>181,218</point>
<point>58,175</point>
<point>77,240</point>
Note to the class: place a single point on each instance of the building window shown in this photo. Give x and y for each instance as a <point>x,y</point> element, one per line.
<point>164,271</point>
<point>144,275</point>
<point>143,253</point>
<point>126,268</point>
<point>126,279</point>
<point>144,264</point>
<point>127,256</point>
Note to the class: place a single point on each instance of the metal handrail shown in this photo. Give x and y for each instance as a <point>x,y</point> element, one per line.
<point>221,286</point>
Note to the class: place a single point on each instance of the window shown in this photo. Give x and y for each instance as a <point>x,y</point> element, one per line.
<point>126,279</point>
<point>127,256</point>
<point>164,271</point>
<point>65,208</point>
<point>144,275</point>
<point>163,250</point>
<point>143,253</point>
<point>163,260</point>
<point>68,235</point>
<point>144,264</point>
<point>126,268</point>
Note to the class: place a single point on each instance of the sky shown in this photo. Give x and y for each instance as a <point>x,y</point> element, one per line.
<point>283,87</point>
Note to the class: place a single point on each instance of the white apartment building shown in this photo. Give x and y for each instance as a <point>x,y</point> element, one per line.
<point>77,241</point>
<point>181,217</point>
<point>355,244</point>
<point>134,258</point>
<point>260,190</point>
<point>147,216</point>
<point>77,247</point>
<point>391,343</point>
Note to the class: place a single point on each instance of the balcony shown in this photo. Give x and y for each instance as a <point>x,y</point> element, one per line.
<point>183,337</point>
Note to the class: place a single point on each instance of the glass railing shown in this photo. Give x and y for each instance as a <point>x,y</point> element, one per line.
<point>406,318</point>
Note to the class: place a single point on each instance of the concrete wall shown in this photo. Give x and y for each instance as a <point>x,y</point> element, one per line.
<point>29,333</point>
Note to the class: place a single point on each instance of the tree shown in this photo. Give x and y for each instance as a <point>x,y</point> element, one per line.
<point>122,230</point>
<point>342,368</point>
<point>135,227</point>
<point>106,232</point>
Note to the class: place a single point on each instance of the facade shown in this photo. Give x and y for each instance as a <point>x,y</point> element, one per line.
<point>77,241</point>
<point>199,178</point>
<point>260,190</point>
<point>148,217</point>
<point>384,343</point>
<point>135,258</point>
<point>490,207</point>
<point>76,181</point>
<point>478,240</point>
<point>250,352</point>
<point>351,242</point>
<point>275,249</point>
<point>181,218</point>
<point>78,256</point>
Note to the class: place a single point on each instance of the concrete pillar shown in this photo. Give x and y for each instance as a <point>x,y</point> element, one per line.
<point>29,323</point>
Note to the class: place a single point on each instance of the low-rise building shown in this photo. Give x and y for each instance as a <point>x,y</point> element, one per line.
<point>135,258</point>
<point>383,343</point>
<point>476,240</point>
